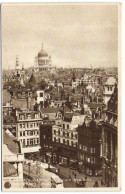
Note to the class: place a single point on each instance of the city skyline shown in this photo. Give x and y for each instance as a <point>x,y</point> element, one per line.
<point>61,34</point>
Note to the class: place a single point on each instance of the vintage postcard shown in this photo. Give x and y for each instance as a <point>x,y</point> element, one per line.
<point>61,97</point>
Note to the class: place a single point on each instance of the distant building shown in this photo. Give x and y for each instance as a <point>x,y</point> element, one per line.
<point>108,89</point>
<point>13,159</point>
<point>43,61</point>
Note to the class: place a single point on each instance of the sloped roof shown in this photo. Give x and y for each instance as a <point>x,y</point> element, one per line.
<point>12,144</point>
<point>32,80</point>
<point>8,169</point>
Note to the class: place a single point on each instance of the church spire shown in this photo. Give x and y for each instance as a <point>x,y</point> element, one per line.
<point>17,62</point>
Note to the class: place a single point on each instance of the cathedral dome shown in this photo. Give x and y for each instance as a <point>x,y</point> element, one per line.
<point>42,53</point>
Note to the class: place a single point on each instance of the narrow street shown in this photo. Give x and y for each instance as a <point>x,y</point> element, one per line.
<point>68,176</point>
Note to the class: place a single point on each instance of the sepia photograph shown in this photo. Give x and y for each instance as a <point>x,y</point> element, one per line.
<point>61,96</point>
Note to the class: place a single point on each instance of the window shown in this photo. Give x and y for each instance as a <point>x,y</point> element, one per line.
<point>92,150</point>
<point>29,116</point>
<point>88,160</point>
<point>55,132</point>
<point>67,134</point>
<point>31,125</point>
<point>20,125</point>
<point>31,133</point>
<point>67,142</point>
<point>85,148</point>
<point>28,142</point>
<point>76,136</point>
<point>23,142</point>
<point>72,143</point>
<point>63,133</point>
<point>67,126</point>
<point>71,135</point>
<point>36,116</point>
<point>41,94</point>
<point>59,140</point>
<point>21,133</point>
<point>76,144</point>
<point>63,126</point>
<point>21,117</point>
<point>92,160</point>
<point>37,140</point>
<point>58,132</point>
<point>54,139</point>
<point>31,141</point>
<point>63,140</point>
<point>28,132</point>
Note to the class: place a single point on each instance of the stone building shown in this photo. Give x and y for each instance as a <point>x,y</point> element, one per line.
<point>109,142</point>
<point>89,135</point>
<point>65,138</point>
<point>28,130</point>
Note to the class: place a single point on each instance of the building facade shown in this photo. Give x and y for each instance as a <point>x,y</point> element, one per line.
<point>109,142</point>
<point>89,135</point>
<point>28,130</point>
<point>65,139</point>
<point>45,140</point>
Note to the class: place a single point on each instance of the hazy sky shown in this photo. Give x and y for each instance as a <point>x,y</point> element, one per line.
<point>74,35</point>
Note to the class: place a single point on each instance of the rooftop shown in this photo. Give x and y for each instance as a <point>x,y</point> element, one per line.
<point>12,144</point>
